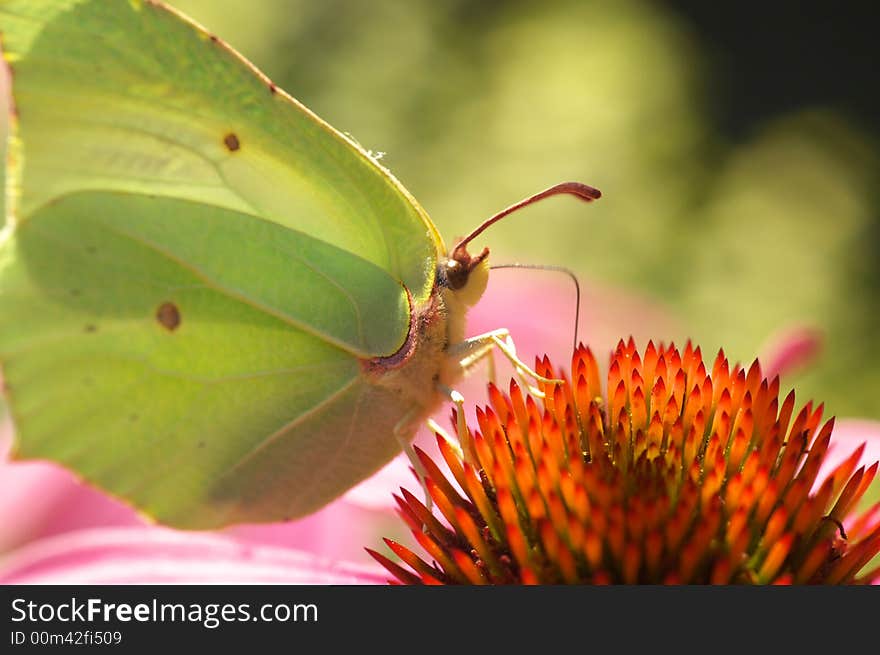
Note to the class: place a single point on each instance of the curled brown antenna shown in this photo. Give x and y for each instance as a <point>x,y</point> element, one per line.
<point>578,189</point>
<point>460,262</point>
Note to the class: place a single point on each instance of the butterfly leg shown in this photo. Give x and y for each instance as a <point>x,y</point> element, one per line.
<point>403,433</point>
<point>474,349</point>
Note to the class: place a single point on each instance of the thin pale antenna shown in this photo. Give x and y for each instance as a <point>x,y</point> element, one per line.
<point>578,189</point>
<point>556,269</point>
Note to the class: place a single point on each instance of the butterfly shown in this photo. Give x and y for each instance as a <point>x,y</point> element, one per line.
<point>213,305</point>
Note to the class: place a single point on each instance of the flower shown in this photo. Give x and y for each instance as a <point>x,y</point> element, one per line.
<point>678,475</point>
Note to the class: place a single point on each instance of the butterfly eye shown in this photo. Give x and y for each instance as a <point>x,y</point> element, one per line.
<point>455,271</point>
<point>451,274</point>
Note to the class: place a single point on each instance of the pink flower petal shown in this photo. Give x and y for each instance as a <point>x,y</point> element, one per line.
<point>848,435</point>
<point>159,555</point>
<point>539,310</point>
<point>375,492</point>
<point>790,350</point>
<point>41,499</point>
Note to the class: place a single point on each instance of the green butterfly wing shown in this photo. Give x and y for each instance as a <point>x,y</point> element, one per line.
<point>194,271</point>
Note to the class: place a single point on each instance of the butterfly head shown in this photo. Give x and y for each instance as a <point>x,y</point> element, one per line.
<point>464,274</point>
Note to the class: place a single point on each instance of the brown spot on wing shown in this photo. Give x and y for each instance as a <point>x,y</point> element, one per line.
<point>231,142</point>
<point>168,316</point>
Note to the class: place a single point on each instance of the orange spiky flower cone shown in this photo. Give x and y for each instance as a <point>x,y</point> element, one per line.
<point>679,475</point>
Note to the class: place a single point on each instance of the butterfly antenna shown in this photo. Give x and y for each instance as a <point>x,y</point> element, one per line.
<point>582,191</point>
<point>557,269</point>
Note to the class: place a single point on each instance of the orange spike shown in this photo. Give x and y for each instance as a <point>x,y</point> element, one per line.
<point>737,451</point>
<point>775,525</point>
<point>693,404</point>
<point>673,357</point>
<point>467,566</point>
<point>472,533</point>
<point>844,470</point>
<point>567,566</point>
<point>636,381</point>
<point>775,558</point>
<point>498,402</point>
<point>631,562</point>
<point>536,507</point>
<point>720,376</point>
<point>795,495</point>
<point>528,577</point>
<point>593,548</point>
<point>869,518</point>
<point>638,409</point>
<point>436,476</point>
<point>791,457</point>
<point>754,377</point>
<point>688,559</point>
<point>425,519</point>
<point>558,514</point>
<point>582,398</point>
<point>440,556</point>
<point>649,363</point>
<point>737,547</point>
<point>658,395</point>
<point>848,566</point>
<point>721,571</point>
<point>660,371</point>
<point>549,540</point>
<point>576,533</point>
<point>678,388</point>
<point>815,419</point>
<point>766,503</point>
<point>450,456</point>
<point>395,569</point>
<point>676,528</point>
<point>406,514</point>
<point>615,374</point>
<point>810,470</point>
<point>444,504</point>
<point>477,493</point>
<point>848,496</point>
<point>524,471</point>
<point>653,551</point>
<point>485,458</point>
<point>655,436</point>
<point>734,489</point>
<point>616,537</point>
<point>721,422</point>
<point>817,556</point>
<point>697,369</point>
<point>519,410</point>
<point>592,373</point>
<point>736,524</point>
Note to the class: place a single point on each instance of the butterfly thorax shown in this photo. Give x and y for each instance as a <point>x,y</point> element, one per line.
<point>424,364</point>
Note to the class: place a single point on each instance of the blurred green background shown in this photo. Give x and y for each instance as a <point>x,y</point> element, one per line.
<point>737,156</point>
